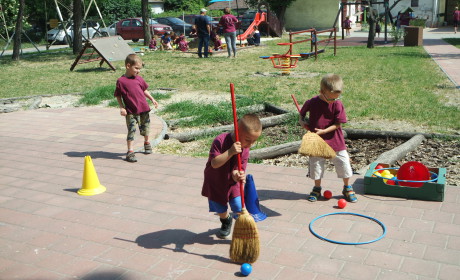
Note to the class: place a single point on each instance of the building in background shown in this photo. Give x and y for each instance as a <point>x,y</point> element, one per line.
<point>157,6</point>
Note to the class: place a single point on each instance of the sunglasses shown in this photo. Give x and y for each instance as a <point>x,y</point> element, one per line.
<point>332,99</point>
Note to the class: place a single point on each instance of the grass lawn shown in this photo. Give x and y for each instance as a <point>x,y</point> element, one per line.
<point>384,83</point>
<point>453,41</point>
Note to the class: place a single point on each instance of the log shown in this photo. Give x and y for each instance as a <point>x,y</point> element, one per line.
<point>192,135</point>
<point>275,151</point>
<point>397,153</point>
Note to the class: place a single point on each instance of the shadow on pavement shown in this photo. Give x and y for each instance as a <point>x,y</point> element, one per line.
<point>179,238</point>
<point>96,154</point>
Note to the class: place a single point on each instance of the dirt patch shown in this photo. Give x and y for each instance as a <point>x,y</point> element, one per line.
<point>435,153</point>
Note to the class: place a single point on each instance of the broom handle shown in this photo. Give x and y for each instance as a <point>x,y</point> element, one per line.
<point>296,103</point>
<point>237,138</point>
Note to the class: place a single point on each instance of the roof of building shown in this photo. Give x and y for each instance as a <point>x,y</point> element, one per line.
<point>232,4</point>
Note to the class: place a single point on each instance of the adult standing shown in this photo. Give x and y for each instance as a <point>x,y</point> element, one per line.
<point>203,29</point>
<point>456,15</point>
<point>228,23</point>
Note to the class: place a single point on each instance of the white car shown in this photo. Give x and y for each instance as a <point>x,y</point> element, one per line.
<point>110,30</point>
<point>89,29</point>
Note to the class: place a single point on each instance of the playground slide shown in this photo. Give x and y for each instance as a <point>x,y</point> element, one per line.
<point>258,19</point>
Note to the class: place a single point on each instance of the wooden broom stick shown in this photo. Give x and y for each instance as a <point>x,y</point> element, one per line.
<point>245,246</point>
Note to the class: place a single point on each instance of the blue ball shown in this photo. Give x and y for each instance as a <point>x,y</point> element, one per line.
<point>246,269</point>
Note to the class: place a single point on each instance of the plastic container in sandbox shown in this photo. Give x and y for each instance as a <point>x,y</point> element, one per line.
<point>433,191</point>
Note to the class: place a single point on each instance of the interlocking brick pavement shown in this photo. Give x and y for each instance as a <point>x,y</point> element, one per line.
<point>152,222</point>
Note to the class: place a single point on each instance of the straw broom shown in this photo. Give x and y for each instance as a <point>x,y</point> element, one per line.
<point>312,144</point>
<point>245,246</point>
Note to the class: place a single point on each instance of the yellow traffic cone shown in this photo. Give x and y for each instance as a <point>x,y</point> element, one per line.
<point>90,184</point>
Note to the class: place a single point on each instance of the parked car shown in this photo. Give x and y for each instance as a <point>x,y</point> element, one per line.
<point>131,28</point>
<point>89,30</point>
<point>110,30</point>
<point>191,19</point>
<point>176,24</point>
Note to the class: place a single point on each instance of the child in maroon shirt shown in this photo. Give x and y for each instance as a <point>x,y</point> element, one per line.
<point>221,175</point>
<point>326,115</point>
<point>131,93</point>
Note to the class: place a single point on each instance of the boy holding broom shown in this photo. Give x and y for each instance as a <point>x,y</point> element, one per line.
<point>326,114</point>
<point>221,175</point>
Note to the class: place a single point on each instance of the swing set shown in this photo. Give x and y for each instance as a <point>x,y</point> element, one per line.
<point>287,61</point>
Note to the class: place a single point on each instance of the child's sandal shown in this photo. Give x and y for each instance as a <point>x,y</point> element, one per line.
<point>315,194</point>
<point>349,194</point>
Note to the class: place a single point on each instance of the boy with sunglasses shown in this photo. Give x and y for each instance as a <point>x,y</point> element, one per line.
<point>326,115</point>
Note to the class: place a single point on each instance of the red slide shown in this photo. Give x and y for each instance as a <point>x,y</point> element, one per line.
<point>259,18</point>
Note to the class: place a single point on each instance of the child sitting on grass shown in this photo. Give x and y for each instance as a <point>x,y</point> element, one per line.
<point>182,44</point>
<point>326,115</point>
<point>131,93</point>
<point>166,42</point>
<point>221,175</point>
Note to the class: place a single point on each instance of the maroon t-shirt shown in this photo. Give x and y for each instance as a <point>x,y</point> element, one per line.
<point>218,184</point>
<point>131,90</point>
<point>322,115</point>
<point>228,23</point>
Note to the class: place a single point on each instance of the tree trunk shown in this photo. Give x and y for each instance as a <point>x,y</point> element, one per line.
<point>77,21</point>
<point>372,16</point>
<point>18,31</point>
<point>146,21</point>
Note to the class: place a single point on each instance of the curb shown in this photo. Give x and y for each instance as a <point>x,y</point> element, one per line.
<point>160,136</point>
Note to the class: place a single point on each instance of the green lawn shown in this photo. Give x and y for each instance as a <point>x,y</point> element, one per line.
<point>384,83</point>
<point>453,41</point>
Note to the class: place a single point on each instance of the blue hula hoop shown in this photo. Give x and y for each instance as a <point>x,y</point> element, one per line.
<point>347,243</point>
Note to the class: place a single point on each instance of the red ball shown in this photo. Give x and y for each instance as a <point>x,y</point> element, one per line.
<point>379,167</point>
<point>413,171</point>
<point>342,203</point>
<point>327,194</point>
<point>390,182</point>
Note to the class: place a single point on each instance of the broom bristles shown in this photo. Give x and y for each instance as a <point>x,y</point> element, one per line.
<point>314,146</point>
<point>245,246</point>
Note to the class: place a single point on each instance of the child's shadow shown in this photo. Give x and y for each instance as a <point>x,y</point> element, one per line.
<point>179,238</point>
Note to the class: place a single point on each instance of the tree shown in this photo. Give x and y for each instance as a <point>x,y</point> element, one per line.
<point>77,20</point>
<point>114,10</point>
<point>146,22</point>
<point>185,5</point>
<point>18,31</point>
<point>277,6</point>
<point>372,17</point>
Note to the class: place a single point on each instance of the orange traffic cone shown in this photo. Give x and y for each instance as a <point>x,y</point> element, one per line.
<point>90,184</point>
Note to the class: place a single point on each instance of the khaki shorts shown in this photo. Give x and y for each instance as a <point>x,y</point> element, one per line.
<point>341,163</point>
<point>142,120</point>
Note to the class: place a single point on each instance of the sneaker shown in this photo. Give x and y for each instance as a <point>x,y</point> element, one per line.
<point>147,148</point>
<point>131,157</point>
<point>349,194</point>
<point>226,227</point>
<point>315,194</point>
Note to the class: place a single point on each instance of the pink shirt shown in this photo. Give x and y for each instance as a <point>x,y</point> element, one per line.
<point>457,15</point>
<point>218,183</point>
<point>323,115</point>
<point>131,91</point>
<point>228,23</point>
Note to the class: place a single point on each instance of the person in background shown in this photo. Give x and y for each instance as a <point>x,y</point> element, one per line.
<point>456,16</point>
<point>228,23</point>
<point>203,28</point>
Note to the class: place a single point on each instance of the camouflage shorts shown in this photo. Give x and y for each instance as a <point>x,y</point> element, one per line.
<point>142,120</point>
